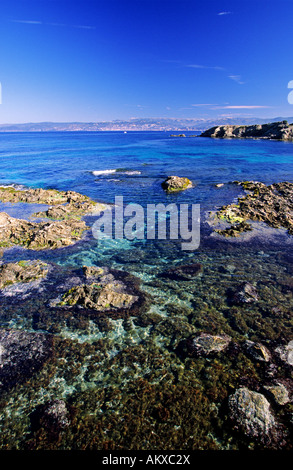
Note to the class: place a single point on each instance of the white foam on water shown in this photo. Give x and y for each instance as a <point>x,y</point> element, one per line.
<point>108,172</point>
<point>103,172</point>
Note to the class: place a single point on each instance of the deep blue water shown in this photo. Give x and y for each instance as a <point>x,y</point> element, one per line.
<point>66,160</point>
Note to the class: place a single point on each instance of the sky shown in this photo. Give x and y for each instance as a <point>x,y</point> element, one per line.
<point>100,60</point>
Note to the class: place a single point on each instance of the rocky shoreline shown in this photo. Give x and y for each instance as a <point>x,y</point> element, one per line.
<point>275,131</point>
<point>271,204</point>
<point>64,227</point>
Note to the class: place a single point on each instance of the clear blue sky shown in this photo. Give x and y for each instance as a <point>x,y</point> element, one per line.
<point>67,60</point>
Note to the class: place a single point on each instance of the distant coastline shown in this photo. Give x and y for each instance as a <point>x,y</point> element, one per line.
<point>137,124</point>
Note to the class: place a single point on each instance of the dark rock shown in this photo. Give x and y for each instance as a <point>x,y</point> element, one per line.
<point>183,272</point>
<point>257,351</point>
<point>245,294</point>
<point>22,354</point>
<point>53,417</point>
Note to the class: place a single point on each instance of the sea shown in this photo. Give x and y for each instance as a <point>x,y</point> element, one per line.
<point>126,382</point>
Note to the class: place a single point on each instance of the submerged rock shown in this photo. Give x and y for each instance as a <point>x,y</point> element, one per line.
<point>175,183</point>
<point>54,416</point>
<point>250,413</point>
<point>23,271</point>
<point>246,293</point>
<point>21,354</point>
<point>257,351</point>
<point>183,272</point>
<point>97,297</point>
<point>207,344</point>
<point>286,353</point>
<point>278,393</point>
<point>105,290</point>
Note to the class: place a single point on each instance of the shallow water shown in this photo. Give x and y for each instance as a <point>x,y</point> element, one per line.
<point>124,379</point>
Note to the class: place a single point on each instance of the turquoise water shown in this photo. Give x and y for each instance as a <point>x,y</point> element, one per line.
<point>101,362</point>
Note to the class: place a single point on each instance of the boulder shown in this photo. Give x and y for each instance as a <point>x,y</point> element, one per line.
<point>257,351</point>
<point>246,293</point>
<point>206,344</point>
<point>286,353</point>
<point>97,297</point>
<point>251,414</point>
<point>175,183</point>
<point>183,272</point>
<point>278,393</point>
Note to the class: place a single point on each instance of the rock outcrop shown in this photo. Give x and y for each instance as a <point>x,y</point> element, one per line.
<point>41,196</point>
<point>272,204</point>
<point>174,184</point>
<point>23,271</point>
<point>65,212</point>
<point>276,130</point>
<point>41,235</point>
<point>105,290</point>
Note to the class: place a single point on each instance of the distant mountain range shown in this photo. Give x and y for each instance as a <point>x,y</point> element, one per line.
<point>136,124</point>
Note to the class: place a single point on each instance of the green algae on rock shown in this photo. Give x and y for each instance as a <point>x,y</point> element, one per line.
<point>174,184</point>
<point>97,297</point>
<point>206,344</point>
<point>23,271</point>
<point>65,213</point>
<point>272,204</point>
<point>40,196</point>
<point>107,291</point>
<point>39,236</point>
